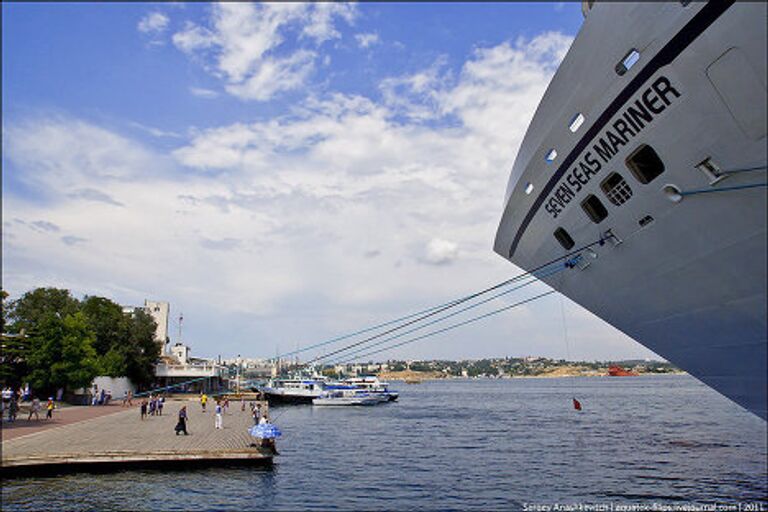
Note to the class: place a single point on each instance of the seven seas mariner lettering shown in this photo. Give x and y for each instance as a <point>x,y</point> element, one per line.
<point>629,123</point>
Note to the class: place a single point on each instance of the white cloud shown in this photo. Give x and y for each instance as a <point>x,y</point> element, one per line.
<point>441,252</point>
<point>156,132</point>
<point>417,95</point>
<point>193,38</point>
<point>201,92</point>
<point>92,194</point>
<point>153,23</point>
<point>366,40</point>
<point>60,154</point>
<point>320,24</point>
<point>273,76</point>
<point>245,44</point>
<point>331,211</point>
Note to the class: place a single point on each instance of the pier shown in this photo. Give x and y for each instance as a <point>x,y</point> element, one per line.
<point>122,440</point>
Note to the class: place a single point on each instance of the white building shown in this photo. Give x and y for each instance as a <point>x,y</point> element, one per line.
<point>192,374</point>
<point>160,312</point>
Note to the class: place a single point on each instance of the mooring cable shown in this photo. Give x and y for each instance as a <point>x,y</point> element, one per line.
<point>459,324</point>
<point>452,314</point>
<point>455,303</point>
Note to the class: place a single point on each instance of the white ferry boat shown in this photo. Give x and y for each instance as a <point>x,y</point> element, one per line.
<point>292,391</point>
<point>347,395</point>
<point>644,169</point>
<point>372,384</point>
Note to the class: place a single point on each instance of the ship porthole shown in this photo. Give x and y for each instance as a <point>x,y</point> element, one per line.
<point>673,193</point>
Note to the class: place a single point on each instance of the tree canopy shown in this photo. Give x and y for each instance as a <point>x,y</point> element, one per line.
<point>54,340</point>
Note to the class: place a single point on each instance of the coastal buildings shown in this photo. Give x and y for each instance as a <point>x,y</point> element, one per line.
<point>189,373</point>
<point>176,367</point>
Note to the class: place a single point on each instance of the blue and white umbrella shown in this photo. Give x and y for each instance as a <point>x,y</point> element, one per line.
<point>265,431</point>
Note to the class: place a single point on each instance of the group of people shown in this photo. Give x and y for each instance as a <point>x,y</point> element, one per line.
<point>152,406</point>
<point>11,403</point>
<point>100,397</point>
<point>259,413</point>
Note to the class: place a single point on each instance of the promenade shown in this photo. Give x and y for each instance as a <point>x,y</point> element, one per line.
<point>121,438</point>
<point>61,416</point>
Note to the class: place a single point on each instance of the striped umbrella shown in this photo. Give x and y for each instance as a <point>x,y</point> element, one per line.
<point>265,431</point>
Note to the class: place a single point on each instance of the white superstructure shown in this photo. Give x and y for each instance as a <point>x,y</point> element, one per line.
<point>644,168</point>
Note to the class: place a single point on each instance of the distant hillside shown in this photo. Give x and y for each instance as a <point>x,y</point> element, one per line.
<point>512,367</point>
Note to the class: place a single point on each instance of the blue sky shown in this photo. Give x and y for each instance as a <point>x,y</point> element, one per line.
<point>281,173</point>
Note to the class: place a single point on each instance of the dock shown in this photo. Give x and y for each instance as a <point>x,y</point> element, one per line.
<point>122,440</point>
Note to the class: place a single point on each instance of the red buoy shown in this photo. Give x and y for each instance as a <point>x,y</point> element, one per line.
<point>576,404</point>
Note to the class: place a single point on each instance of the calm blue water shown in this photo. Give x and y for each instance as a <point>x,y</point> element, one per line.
<point>467,445</point>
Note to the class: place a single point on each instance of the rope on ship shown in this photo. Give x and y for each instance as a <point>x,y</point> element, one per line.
<point>571,259</point>
<point>459,324</point>
<point>454,313</point>
<point>676,195</point>
<point>423,314</point>
<point>721,189</point>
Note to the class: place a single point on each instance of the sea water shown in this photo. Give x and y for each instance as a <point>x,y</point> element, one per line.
<point>510,444</point>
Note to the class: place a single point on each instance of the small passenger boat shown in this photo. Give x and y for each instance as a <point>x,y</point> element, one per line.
<point>292,391</point>
<point>338,397</point>
<point>372,385</point>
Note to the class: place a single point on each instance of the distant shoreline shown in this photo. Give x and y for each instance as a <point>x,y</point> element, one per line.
<point>431,376</point>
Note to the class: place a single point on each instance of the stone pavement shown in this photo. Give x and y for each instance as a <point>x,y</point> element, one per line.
<point>63,416</point>
<point>124,433</point>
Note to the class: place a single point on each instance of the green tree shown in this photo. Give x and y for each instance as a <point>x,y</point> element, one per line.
<point>28,311</point>
<point>141,351</point>
<point>114,362</point>
<point>61,353</point>
<point>108,322</point>
<point>13,350</point>
<point>3,309</point>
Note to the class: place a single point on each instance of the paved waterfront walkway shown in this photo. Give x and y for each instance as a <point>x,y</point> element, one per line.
<point>64,416</point>
<point>124,434</point>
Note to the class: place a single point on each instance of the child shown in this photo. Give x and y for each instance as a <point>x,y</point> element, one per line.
<point>49,408</point>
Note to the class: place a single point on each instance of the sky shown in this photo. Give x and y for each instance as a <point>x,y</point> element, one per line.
<point>282,174</point>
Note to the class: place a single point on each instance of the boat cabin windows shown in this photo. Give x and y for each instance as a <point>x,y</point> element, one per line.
<point>645,164</point>
<point>594,209</point>
<point>616,189</point>
<point>629,60</point>
<point>576,122</point>
<point>551,155</point>
<point>564,238</point>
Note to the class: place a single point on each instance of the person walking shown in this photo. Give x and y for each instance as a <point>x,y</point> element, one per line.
<point>34,409</point>
<point>130,399</point>
<point>49,407</point>
<point>181,425</point>
<point>160,404</point>
<point>218,423</point>
<point>125,398</point>
<point>143,408</point>
<point>203,400</point>
<point>13,409</point>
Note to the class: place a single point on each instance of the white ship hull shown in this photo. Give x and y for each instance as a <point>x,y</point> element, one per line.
<point>688,278</point>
